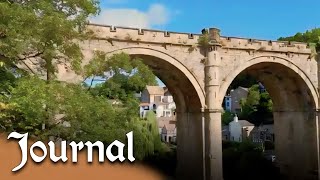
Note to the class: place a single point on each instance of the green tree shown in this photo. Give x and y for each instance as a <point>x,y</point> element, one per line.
<point>44,30</point>
<point>77,116</point>
<point>249,104</point>
<point>227,117</point>
<point>50,32</point>
<point>244,80</point>
<point>125,75</point>
<point>257,107</point>
<point>7,80</point>
<point>310,36</point>
<point>153,127</point>
<point>245,161</point>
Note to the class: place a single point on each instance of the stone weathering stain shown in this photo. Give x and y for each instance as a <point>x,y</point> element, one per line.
<point>76,147</point>
<point>199,79</point>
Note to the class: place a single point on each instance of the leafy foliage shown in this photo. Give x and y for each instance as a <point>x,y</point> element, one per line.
<point>245,161</point>
<point>227,117</point>
<point>78,116</point>
<point>204,39</point>
<point>257,107</point>
<point>49,32</point>
<point>125,75</point>
<point>44,30</point>
<point>310,36</point>
<point>7,80</point>
<point>153,127</point>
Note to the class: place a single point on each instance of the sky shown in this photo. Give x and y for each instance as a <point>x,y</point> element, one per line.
<point>260,19</point>
<point>256,19</point>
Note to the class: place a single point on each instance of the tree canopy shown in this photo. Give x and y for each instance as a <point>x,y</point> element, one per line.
<point>49,32</point>
<point>78,115</point>
<point>310,36</point>
<point>44,30</point>
<point>124,75</point>
<point>257,107</point>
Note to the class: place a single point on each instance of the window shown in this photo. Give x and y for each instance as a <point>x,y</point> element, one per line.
<point>157,98</point>
<point>228,103</point>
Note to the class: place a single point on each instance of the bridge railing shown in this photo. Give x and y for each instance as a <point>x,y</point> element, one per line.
<point>189,39</point>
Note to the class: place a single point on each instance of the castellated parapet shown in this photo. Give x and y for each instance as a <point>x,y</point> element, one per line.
<point>111,33</point>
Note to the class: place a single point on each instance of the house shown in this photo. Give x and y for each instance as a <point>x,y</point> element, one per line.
<point>228,103</point>
<point>167,129</point>
<point>159,100</point>
<point>225,133</point>
<point>144,108</point>
<point>232,101</point>
<point>263,133</point>
<point>152,94</point>
<point>240,129</point>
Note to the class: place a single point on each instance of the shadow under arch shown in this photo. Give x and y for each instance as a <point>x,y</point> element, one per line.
<point>295,100</point>
<point>189,98</point>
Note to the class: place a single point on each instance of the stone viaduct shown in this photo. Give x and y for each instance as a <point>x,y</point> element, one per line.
<point>199,79</point>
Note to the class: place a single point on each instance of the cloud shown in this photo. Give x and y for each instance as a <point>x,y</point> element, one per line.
<point>156,15</point>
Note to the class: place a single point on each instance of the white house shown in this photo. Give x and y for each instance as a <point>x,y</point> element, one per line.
<point>159,100</point>
<point>240,129</point>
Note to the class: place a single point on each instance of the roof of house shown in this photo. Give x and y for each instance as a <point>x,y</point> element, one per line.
<point>225,128</point>
<point>155,90</point>
<point>167,122</point>
<point>244,123</point>
<point>144,104</point>
<point>241,88</point>
<point>170,127</point>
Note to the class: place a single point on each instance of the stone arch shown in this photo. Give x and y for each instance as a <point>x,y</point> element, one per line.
<point>148,54</point>
<point>189,98</point>
<point>295,100</point>
<point>272,60</point>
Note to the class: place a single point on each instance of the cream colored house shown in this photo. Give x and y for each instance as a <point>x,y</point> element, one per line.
<point>159,100</point>
<point>167,129</point>
<point>240,130</point>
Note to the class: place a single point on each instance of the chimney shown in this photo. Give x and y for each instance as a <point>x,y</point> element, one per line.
<point>235,118</point>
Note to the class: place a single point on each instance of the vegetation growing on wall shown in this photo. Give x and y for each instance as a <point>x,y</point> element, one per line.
<point>204,39</point>
<point>310,36</point>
